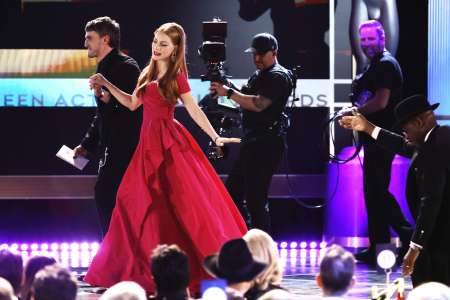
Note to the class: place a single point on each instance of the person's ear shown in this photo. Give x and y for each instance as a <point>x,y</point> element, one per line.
<point>106,39</point>
<point>418,122</point>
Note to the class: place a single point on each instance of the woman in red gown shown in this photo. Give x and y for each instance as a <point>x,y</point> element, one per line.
<point>170,194</point>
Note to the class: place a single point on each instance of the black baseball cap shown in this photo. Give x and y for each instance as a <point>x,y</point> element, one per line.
<point>262,43</point>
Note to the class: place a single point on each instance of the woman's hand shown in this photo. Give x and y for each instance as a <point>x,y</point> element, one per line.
<point>221,141</point>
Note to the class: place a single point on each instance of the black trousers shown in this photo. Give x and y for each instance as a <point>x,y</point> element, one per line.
<point>109,177</point>
<point>249,180</point>
<point>381,206</point>
<point>432,265</point>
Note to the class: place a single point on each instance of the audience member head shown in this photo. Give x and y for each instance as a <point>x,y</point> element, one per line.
<point>125,290</point>
<point>170,270</point>
<point>235,264</point>
<point>278,294</point>
<point>6,290</point>
<point>430,291</point>
<point>34,264</point>
<point>54,282</point>
<point>336,271</point>
<point>264,249</point>
<point>11,268</point>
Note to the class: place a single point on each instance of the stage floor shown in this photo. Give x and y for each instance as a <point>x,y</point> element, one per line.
<point>300,269</point>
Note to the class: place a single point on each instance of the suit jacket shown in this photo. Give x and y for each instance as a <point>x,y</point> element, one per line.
<point>114,125</point>
<point>428,185</point>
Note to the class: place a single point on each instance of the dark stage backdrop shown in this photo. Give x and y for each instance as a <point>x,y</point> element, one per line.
<point>31,137</point>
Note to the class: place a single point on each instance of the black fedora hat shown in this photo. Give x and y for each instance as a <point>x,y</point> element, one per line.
<point>411,107</point>
<point>234,262</point>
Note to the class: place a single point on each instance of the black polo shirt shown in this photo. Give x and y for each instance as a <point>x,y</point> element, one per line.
<point>383,72</point>
<point>273,83</point>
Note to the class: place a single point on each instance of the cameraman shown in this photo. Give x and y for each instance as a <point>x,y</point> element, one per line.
<point>262,101</point>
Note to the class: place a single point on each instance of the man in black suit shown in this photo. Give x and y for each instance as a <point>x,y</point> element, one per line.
<point>428,183</point>
<point>114,131</point>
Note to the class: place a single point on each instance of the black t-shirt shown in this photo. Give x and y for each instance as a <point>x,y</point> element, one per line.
<point>274,83</point>
<point>115,126</point>
<point>382,72</point>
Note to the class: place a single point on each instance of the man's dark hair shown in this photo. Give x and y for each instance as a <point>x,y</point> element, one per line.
<point>106,26</point>
<point>170,269</point>
<point>336,270</point>
<point>54,282</point>
<point>11,268</point>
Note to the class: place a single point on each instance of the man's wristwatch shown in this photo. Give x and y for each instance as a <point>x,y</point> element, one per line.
<point>229,93</point>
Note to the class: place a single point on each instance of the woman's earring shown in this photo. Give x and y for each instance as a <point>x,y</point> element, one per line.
<point>173,57</point>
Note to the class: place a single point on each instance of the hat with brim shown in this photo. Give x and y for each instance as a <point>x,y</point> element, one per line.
<point>262,43</point>
<point>411,107</point>
<point>234,263</point>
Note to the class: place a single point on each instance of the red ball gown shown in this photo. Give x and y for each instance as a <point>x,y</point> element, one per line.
<point>170,194</point>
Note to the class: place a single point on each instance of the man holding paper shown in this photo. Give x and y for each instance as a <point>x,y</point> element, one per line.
<point>114,131</point>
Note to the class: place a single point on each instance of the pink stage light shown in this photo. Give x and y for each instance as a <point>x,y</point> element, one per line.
<point>95,246</point>
<point>74,246</point>
<point>84,246</point>
<point>54,246</point>
<point>64,246</point>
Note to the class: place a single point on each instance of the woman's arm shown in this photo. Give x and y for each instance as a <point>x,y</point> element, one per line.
<point>202,121</point>
<point>132,102</point>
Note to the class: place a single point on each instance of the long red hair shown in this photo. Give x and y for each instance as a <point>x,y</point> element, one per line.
<point>167,85</point>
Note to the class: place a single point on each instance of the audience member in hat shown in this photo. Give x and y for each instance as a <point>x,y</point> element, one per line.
<point>170,270</point>
<point>428,183</point>
<point>430,291</point>
<point>125,290</point>
<point>11,268</point>
<point>337,270</point>
<point>235,264</point>
<point>6,290</point>
<point>264,249</point>
<point>33,265</point>
<point>54,282</point>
